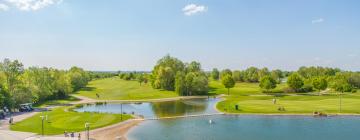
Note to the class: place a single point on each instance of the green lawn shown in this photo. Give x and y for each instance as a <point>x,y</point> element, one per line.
<point>57,102</point>
<point>216,87</point>
<point>60,121</point>
<point>292,104</point>
<point>117,89</point>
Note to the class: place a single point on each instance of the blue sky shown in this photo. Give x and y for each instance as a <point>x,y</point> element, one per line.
<point>134,34</point>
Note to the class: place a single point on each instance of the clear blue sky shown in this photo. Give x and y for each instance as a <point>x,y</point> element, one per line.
<point>134,34</point>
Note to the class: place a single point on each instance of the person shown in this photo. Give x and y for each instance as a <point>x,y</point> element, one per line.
<point>79,136</point>
<point>11,120</point>
<point>72,134</point>
<point>65,134</point>
<point>274,101</point>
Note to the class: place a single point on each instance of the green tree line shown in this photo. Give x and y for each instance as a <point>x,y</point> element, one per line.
<point>38,84</point>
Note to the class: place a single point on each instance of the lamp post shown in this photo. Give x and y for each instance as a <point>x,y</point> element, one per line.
<point>121,111</point>
<point>87,129</point>
<point>42,124</point>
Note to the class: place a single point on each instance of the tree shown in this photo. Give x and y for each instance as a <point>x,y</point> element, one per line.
<point>225,72</point>
<point>140,78</point>
<point>251,74</point>
<point>320,83</point>
<point>12,70</point>
<point>180,84</point>
<point>193,67</point>
<point>39,82</point>
<point>78,77</point>
<point>267,83</point>
<point>295,81</point>
<point>215,74</point>
<point>164,72</point>
<point>263,72</point>
<point>339,83</point>
<point>277,75</point>
<point>228,82</point>
<point>238,76</point>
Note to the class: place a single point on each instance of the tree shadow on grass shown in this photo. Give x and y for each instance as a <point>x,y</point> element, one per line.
<point>88,89</point>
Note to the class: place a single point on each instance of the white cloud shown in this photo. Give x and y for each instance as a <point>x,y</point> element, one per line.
<point>32,5</point>
<point>192,9</point>
<point>3,7</point>
<point>319,20</point>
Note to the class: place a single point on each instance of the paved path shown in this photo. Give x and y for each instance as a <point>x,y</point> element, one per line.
<point>13,135</point>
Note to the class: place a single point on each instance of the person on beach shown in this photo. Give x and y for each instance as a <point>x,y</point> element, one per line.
<point>79,136</point>
<point>65,134</point>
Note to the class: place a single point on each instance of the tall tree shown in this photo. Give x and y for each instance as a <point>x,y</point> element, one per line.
<point>79,78</point>
<point>215,74</point>
<point>164,72</point>
<point>295,81</point>
<point>267,83</point>
<point>228,82</point>
<point>225,72</point>
<point>320,83</point>
<point>251,74</point>
<point>238,76</point>
<point>277,75</point>
<point>12,70</point>
<point>263,72</point>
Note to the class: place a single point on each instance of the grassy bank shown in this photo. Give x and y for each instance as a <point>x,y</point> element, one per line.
<point>295,104</point>
<point>216,87</point>
<point>60,121</point>
<point>118,89</point>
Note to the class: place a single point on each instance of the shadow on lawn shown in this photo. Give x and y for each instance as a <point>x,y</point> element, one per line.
<point>88,89</point>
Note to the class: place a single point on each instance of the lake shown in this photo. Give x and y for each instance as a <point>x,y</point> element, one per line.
<point>226,127</point>
<point>243,127</point>
<point>157,109</point>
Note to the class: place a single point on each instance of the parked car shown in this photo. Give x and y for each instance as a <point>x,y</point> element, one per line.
<point>2,114</point>
<point>26,107</point>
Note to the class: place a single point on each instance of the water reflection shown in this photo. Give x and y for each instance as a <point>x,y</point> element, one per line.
<point>156,109</point>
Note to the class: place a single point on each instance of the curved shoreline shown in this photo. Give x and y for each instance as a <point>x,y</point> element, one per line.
<point>121,129</point>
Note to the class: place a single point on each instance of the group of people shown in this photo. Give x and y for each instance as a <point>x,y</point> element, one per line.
<point>72,134</point>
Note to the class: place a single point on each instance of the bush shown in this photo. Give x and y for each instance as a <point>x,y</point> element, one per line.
<point>288,90</point>
<point>306,88</point>
<point>353,90</point>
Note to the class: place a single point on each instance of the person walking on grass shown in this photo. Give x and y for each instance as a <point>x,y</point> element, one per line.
<point>274,101</point>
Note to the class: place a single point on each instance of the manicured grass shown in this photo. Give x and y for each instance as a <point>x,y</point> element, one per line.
<point>57,102</point>
<point>293,104</point>
<point>117,89</point>
<point>216,87</point>
<point>60,121</point>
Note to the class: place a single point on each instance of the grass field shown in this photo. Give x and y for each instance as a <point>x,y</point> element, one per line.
<point>60,121</point>
<point>57,102</point>
<point>295,104</point>
<point>117,89</point>
<point>216,87</point>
